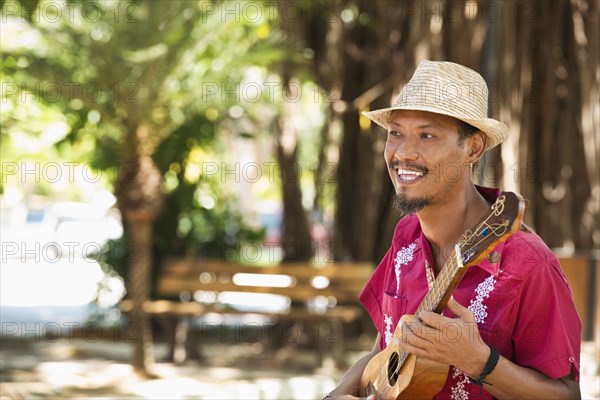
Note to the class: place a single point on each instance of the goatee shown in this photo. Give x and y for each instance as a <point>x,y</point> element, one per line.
<point>409,206</point>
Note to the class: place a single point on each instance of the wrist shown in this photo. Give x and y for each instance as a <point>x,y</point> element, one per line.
<point>475,367</point>
<point>490,365</point>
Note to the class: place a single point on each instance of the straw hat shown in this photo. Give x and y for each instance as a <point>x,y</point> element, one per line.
<point>450,89</point>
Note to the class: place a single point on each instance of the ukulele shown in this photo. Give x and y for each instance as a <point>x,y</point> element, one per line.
<point>395,374</point>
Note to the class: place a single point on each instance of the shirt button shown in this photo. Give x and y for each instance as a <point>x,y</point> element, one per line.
<point>571,359</point>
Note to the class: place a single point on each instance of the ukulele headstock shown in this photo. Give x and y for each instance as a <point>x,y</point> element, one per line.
<point>504,219</point>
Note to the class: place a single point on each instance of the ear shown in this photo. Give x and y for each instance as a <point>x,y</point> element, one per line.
<point>476,145</point>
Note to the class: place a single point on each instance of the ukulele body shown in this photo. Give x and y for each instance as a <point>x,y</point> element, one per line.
<point>416,378</point>
<point>428,379</point>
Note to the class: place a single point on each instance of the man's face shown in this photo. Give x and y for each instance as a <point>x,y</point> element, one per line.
<point>425,160</point>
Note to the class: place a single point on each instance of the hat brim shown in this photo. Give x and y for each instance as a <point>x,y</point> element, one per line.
<point>495,130</point>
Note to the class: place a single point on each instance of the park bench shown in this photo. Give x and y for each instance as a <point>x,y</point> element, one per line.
<point>326,296</point>
<point>289,302</point>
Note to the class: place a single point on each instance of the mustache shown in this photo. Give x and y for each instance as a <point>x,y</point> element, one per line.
<point>409,165</point>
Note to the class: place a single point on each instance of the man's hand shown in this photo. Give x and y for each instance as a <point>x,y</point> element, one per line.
<point>452,341</point>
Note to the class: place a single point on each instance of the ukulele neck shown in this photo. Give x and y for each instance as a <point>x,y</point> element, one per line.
<point>443,286</point>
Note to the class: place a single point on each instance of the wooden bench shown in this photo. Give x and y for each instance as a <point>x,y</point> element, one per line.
<point>328,295</point>
<point>316,301</point>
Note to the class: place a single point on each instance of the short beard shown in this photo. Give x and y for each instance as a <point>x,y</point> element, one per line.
<point>409,206</point>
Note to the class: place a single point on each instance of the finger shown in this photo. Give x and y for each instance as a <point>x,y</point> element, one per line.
<point>417,335</point>
<point>432,319</point>
<point>412,328</point>
<point>412,349</point>
<point>433,322</point>
<point>457,309</point>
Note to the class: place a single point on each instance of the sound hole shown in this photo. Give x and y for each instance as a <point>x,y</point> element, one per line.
<point>392,373</point>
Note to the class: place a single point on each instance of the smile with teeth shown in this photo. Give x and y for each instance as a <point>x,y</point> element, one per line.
<point>409,175</point>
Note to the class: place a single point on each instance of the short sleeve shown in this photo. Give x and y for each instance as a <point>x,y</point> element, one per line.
<point>547,335</point>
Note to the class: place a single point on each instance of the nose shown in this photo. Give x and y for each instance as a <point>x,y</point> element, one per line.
<point>404,150</point>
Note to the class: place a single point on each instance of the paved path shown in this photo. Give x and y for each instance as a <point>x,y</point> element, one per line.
<point>64,370</point>
<point>82,370</point>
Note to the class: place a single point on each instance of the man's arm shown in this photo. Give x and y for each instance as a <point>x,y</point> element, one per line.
<point>350,383</point>
<point>424,337</point>
<point>510,381</point>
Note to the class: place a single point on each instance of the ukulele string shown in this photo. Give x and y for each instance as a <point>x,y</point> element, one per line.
<point>382,379</point>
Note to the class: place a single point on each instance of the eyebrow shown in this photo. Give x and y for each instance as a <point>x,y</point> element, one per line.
<point>423,126</point>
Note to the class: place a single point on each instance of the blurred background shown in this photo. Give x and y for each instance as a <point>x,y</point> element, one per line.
<point>191,201</point>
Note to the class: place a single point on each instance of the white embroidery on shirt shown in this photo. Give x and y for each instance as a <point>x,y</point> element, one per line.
<point>403,257</point>
<point>388,329</point>
<point>483,291</point>
<point>478,309</point>
<point>458,391</point>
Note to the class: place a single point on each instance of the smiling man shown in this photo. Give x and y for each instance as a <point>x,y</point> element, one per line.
<point>515,330</point>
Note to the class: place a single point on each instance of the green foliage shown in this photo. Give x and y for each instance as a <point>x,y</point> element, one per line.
<point>114,257</point>
<point>200,217</point>
<point>79,81</point>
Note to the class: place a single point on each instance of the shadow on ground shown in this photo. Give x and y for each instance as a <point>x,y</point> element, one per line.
<point>79,369</point>
<point>68,369</point>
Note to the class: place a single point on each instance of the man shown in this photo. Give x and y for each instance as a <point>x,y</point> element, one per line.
<point>515,330</point>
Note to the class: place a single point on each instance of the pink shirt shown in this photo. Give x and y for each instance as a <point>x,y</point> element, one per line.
<point>520,298</point>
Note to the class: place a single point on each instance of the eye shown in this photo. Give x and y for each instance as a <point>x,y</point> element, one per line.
<point>426,135</point>
<point>394,133</point>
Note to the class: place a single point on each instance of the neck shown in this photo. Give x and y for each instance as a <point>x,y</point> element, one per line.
<point>443,224</point>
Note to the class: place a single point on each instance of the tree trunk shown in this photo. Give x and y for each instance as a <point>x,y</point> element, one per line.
<point>548,95</point>
<point>139,230</point>
<point>296,238</point>
<point>139,199</point>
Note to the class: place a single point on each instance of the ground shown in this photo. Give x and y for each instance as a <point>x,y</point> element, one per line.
<point>70,369</point>
<point>78,369</point>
